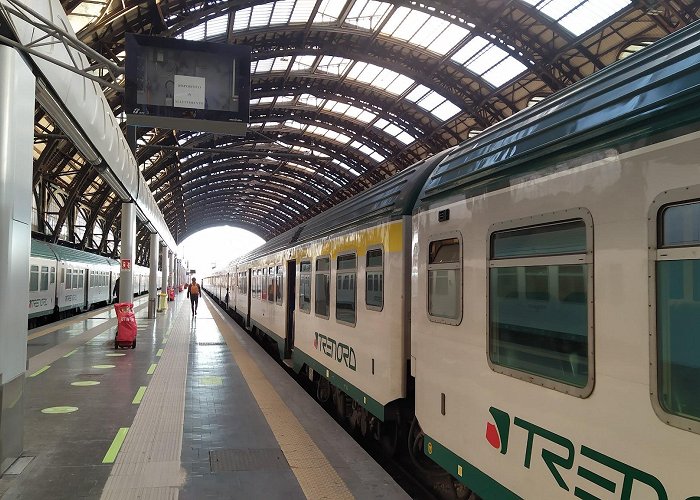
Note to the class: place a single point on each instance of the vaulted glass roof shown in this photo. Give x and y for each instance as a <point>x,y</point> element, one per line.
<point>344,93</point>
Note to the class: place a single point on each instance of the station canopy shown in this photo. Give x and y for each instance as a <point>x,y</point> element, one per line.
<point>344,93</point>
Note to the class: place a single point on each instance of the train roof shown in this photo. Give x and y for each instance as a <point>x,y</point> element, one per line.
<point>42,249</point>
<point>53,251</point>
<point>391,199</point>
<point>653,91</point>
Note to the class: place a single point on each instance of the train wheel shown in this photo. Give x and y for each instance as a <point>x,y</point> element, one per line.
<point>116,344</point>
<point>133,345</point>
<point>339,398</point>
<point>364,423</point>
<point>323,390</point>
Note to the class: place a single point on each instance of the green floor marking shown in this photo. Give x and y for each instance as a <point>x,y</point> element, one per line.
<point>139,395</point>
<point>103,366</point>
<point>151,369</point>
<point>115,354</point>
<point>159,353</point>
<point>39,372</point>
<point>70,353</point>
<point>59,409</point>
<point>211,380</point>
<point>111,455</point>
<point>85,383</point>
<point>165,341</point>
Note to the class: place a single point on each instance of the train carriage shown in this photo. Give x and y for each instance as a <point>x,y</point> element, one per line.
<point>42,280</point>
<point>555,306</point>
<point>317,292</point>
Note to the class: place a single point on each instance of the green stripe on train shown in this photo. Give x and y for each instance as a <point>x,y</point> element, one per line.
<point>481,484</point>
<point>300,358</point>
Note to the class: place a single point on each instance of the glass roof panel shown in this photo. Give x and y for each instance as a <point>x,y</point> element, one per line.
<point>217,26</point>
<point>578,16</point>
<point>446,110</point>
<point>282,11</point>
<point>429,31</point>
<point>368,14</point>
<point>85,13</point>
<point>302,11</point>
<point>504,71</point>
<point>261,15</point>
<point>395,21</point>
<point>329,11</point>
<point>447,40</point>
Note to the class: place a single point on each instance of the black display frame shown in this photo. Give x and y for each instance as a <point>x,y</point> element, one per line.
<point>180,118</point>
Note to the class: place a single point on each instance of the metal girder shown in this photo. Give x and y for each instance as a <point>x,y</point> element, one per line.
<point>554,58</point>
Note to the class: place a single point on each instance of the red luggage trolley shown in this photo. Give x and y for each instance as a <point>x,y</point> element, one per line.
<point>126,326</point>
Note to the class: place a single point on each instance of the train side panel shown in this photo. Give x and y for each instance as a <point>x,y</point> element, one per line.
<point>588,425</point>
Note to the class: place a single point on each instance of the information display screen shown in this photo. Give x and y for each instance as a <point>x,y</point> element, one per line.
<point>186,85</point>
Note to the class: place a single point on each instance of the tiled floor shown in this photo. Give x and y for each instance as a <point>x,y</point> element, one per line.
<point>197,432</point>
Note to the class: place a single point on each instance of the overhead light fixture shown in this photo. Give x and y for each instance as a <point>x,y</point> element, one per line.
<point>65,122</point>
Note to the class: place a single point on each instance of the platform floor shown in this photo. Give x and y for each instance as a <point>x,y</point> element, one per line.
<point>197,410</point>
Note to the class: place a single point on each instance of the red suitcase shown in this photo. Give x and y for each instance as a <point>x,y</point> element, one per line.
<point>126,326</point>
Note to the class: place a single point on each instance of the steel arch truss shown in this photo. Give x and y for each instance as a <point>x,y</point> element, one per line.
<point>319,134</point>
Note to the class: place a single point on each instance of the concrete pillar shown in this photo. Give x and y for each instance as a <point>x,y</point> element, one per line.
<point>128,256</point>
<point>16,141</point>
<point>164,262</point>
<point>153,278</point>
<point>171,269</point>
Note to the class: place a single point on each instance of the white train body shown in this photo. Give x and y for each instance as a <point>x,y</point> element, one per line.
<point>615,417</point>
<point>42,286</point>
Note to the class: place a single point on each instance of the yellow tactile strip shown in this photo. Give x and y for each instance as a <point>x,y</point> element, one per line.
<point>316,476</point>
<point>148,464</point>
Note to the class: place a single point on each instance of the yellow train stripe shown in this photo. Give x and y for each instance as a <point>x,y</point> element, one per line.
<point>316,476</point>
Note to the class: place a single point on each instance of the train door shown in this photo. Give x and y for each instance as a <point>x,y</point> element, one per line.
<point>87,295</point>
<point>250,295</point>
<point>291,304</point>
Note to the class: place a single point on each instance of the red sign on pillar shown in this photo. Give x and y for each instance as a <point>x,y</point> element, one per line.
<point>126,264</point>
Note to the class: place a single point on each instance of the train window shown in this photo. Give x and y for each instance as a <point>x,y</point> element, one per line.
<point>262,284</point>
<point>271,284</point>
<point>374,279</point>
<point>34,279</point>
<point>445,281</point>
<point>539,314</point>
<point>322,305</point>
<point>678,313</point>
<point>278,285</point>
<point>44,285</point>
<point>53,275</point>
<point>345,294</point>
<point>305,286</point>
<point>69,279</point>
<point>63,275</point>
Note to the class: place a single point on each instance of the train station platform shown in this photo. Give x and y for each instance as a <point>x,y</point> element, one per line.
<point>197,410</point>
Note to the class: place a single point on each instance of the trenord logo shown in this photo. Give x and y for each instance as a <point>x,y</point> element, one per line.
<point>559,453</point>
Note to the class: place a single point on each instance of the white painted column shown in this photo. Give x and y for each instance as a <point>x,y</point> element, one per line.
<point>164,261</point>
<point>128,252</point>
<point>153,278</point>
<point>171,269</point>
<point>17,85</point>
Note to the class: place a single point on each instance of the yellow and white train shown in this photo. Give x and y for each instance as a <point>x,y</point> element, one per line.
<point>529,302</point>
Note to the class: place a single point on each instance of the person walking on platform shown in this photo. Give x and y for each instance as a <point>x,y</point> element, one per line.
<point>115,292</point>
<point>193,293</point>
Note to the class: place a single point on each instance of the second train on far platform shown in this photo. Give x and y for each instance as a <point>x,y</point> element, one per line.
<point>524,306</point>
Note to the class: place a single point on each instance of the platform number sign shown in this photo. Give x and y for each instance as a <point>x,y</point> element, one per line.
<point>126,264</point>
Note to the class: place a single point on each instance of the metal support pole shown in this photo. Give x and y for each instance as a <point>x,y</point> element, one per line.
<point>153,278</point>
<point>17,85</point>
<point>128,253</point>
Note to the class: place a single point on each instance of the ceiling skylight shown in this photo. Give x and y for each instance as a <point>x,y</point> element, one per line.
<point>578,16</point>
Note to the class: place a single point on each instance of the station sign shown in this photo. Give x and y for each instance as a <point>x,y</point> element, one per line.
<point>126,264</point>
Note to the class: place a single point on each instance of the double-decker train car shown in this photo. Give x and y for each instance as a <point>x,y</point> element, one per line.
<point>533,312</point>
